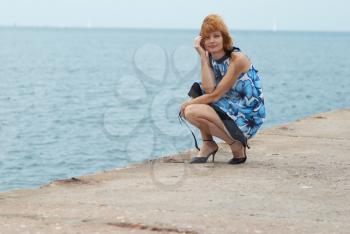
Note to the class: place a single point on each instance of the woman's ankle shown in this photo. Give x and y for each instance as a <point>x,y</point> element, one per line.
<point>210,144</point>
<point>237,148</point>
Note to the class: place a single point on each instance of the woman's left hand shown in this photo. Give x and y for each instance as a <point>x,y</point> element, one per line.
<point>183,106</point>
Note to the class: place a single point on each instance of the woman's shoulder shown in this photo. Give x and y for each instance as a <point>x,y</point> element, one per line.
<point>240,60</point>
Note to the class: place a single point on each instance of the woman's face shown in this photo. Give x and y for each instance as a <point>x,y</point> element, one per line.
<point>214,42</point>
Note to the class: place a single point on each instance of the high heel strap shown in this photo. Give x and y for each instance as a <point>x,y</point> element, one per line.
<point>208,140</point>
<point>233,142</point>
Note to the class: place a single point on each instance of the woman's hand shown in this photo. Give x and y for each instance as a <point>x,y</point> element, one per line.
<point>197,45</point>
<point>183,106</point>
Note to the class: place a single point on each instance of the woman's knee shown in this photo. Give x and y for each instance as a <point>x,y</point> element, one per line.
<point>195,111</point>
<point>190,111</point>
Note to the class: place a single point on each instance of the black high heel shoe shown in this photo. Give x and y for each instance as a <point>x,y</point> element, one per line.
<point>205,158</point>
<point>239,160</point>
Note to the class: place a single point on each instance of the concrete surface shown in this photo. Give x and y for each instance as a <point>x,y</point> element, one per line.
<point>296,180</point>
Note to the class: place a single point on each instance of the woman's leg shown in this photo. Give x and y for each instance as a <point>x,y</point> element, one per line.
<point>204,129</point>
<point>208,146</point>
<point>207,120</point>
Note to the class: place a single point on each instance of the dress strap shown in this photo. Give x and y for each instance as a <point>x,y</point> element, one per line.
<point>233,49</point>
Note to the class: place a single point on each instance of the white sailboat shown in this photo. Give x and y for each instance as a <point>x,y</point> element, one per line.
<point>88,25</point>
<point>274,25</point>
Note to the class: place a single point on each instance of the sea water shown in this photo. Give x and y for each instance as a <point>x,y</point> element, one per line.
<point>78,101</point>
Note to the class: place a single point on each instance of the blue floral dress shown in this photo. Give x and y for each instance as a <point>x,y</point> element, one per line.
<point>244,102</point>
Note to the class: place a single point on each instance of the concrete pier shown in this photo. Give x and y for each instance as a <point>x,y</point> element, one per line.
<point>296,180</point>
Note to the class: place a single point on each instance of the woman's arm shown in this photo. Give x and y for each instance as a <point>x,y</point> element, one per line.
<point>208,78</point>
<point>235,68</point>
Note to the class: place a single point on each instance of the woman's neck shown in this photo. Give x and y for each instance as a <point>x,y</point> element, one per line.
<point>218,55</point>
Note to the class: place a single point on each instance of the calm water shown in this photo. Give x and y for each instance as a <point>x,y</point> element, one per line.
<point>77,101</point>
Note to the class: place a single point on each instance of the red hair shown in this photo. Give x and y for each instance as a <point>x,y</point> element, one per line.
<point>213,23</point>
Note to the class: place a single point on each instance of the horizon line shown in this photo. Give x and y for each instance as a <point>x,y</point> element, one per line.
<point>160,28</point>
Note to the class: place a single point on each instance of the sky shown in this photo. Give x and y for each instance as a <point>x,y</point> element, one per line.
<point>304,15</point>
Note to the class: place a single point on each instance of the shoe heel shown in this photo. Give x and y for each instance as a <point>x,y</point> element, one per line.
<point>214,156</point>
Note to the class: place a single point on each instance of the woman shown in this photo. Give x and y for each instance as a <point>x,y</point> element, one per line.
<point>228,102</point>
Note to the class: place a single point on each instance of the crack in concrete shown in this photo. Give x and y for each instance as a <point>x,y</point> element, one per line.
<point>26,216</point>
<point>150,228</point>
